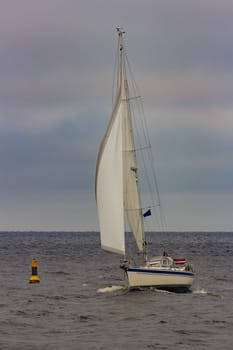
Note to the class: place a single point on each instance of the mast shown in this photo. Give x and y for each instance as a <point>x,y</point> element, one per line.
<point>116,182</point>
<point>121,71</point>
<point>132,201</point>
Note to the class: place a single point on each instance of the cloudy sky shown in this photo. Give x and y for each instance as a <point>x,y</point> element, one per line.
<point>56,71</point>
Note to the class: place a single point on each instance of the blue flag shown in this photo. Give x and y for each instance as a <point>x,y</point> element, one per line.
<point>147,213</point>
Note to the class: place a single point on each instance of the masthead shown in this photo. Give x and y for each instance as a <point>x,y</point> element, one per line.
<point>120,31</point>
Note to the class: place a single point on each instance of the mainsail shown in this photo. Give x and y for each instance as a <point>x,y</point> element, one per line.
<point>117,191</point>
<point>109,184</point>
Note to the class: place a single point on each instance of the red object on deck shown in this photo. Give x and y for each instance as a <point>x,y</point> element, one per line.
<point>179,261</point>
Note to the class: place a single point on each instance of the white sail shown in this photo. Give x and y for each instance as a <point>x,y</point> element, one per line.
<point>131,192</point>
<point>117,191</point>
<point>109,184</point>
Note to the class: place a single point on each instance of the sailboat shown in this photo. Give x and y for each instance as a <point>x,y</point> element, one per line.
<point>118,193</point>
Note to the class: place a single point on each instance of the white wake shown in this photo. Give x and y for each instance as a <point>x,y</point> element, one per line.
<point>110,289</point>
<point>199,290</point>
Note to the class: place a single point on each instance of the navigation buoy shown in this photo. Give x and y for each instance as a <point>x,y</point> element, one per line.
<point>34,277</point>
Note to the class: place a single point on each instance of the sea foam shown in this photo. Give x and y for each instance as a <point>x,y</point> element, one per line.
<point>110,289</point>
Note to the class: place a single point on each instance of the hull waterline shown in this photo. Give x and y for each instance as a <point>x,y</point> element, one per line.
<point>159,278</point>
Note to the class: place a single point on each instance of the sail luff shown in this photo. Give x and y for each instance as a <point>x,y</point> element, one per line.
<point>109,184</point>
<point>132,203</point>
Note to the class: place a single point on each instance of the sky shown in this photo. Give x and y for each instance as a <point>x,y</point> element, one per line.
<point>56,72</point>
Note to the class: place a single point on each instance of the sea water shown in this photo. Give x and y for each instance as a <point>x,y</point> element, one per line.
<point>82,302</point>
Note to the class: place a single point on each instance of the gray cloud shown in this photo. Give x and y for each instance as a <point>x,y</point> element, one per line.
<point>56,73</point>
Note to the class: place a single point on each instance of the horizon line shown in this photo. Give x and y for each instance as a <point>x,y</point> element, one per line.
<point>96,231</point>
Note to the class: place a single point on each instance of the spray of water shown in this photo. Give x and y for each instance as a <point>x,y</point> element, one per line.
<point>110,289</point>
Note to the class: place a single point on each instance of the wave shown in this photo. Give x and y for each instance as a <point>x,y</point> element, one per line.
<point>110,289</point>
<point>199,290</point>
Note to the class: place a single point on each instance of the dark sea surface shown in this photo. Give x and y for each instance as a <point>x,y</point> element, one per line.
<point>82,303</point>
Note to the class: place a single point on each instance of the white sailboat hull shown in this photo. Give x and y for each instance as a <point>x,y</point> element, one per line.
<point>159,278</point>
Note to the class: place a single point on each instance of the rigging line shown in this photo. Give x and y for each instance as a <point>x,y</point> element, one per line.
<point>137,130</point>
<point>142,119</point>
<point>139,103</point>
<point>150,154</point>
<point>148,180</point>
<point>130,98</point>
<point>144,129</point>
<point>142,148</point>
<point>151,206</point>
<point>154,188</point>
<point>138,149</point>
<point>146,165</point>
<point>163,218</point>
